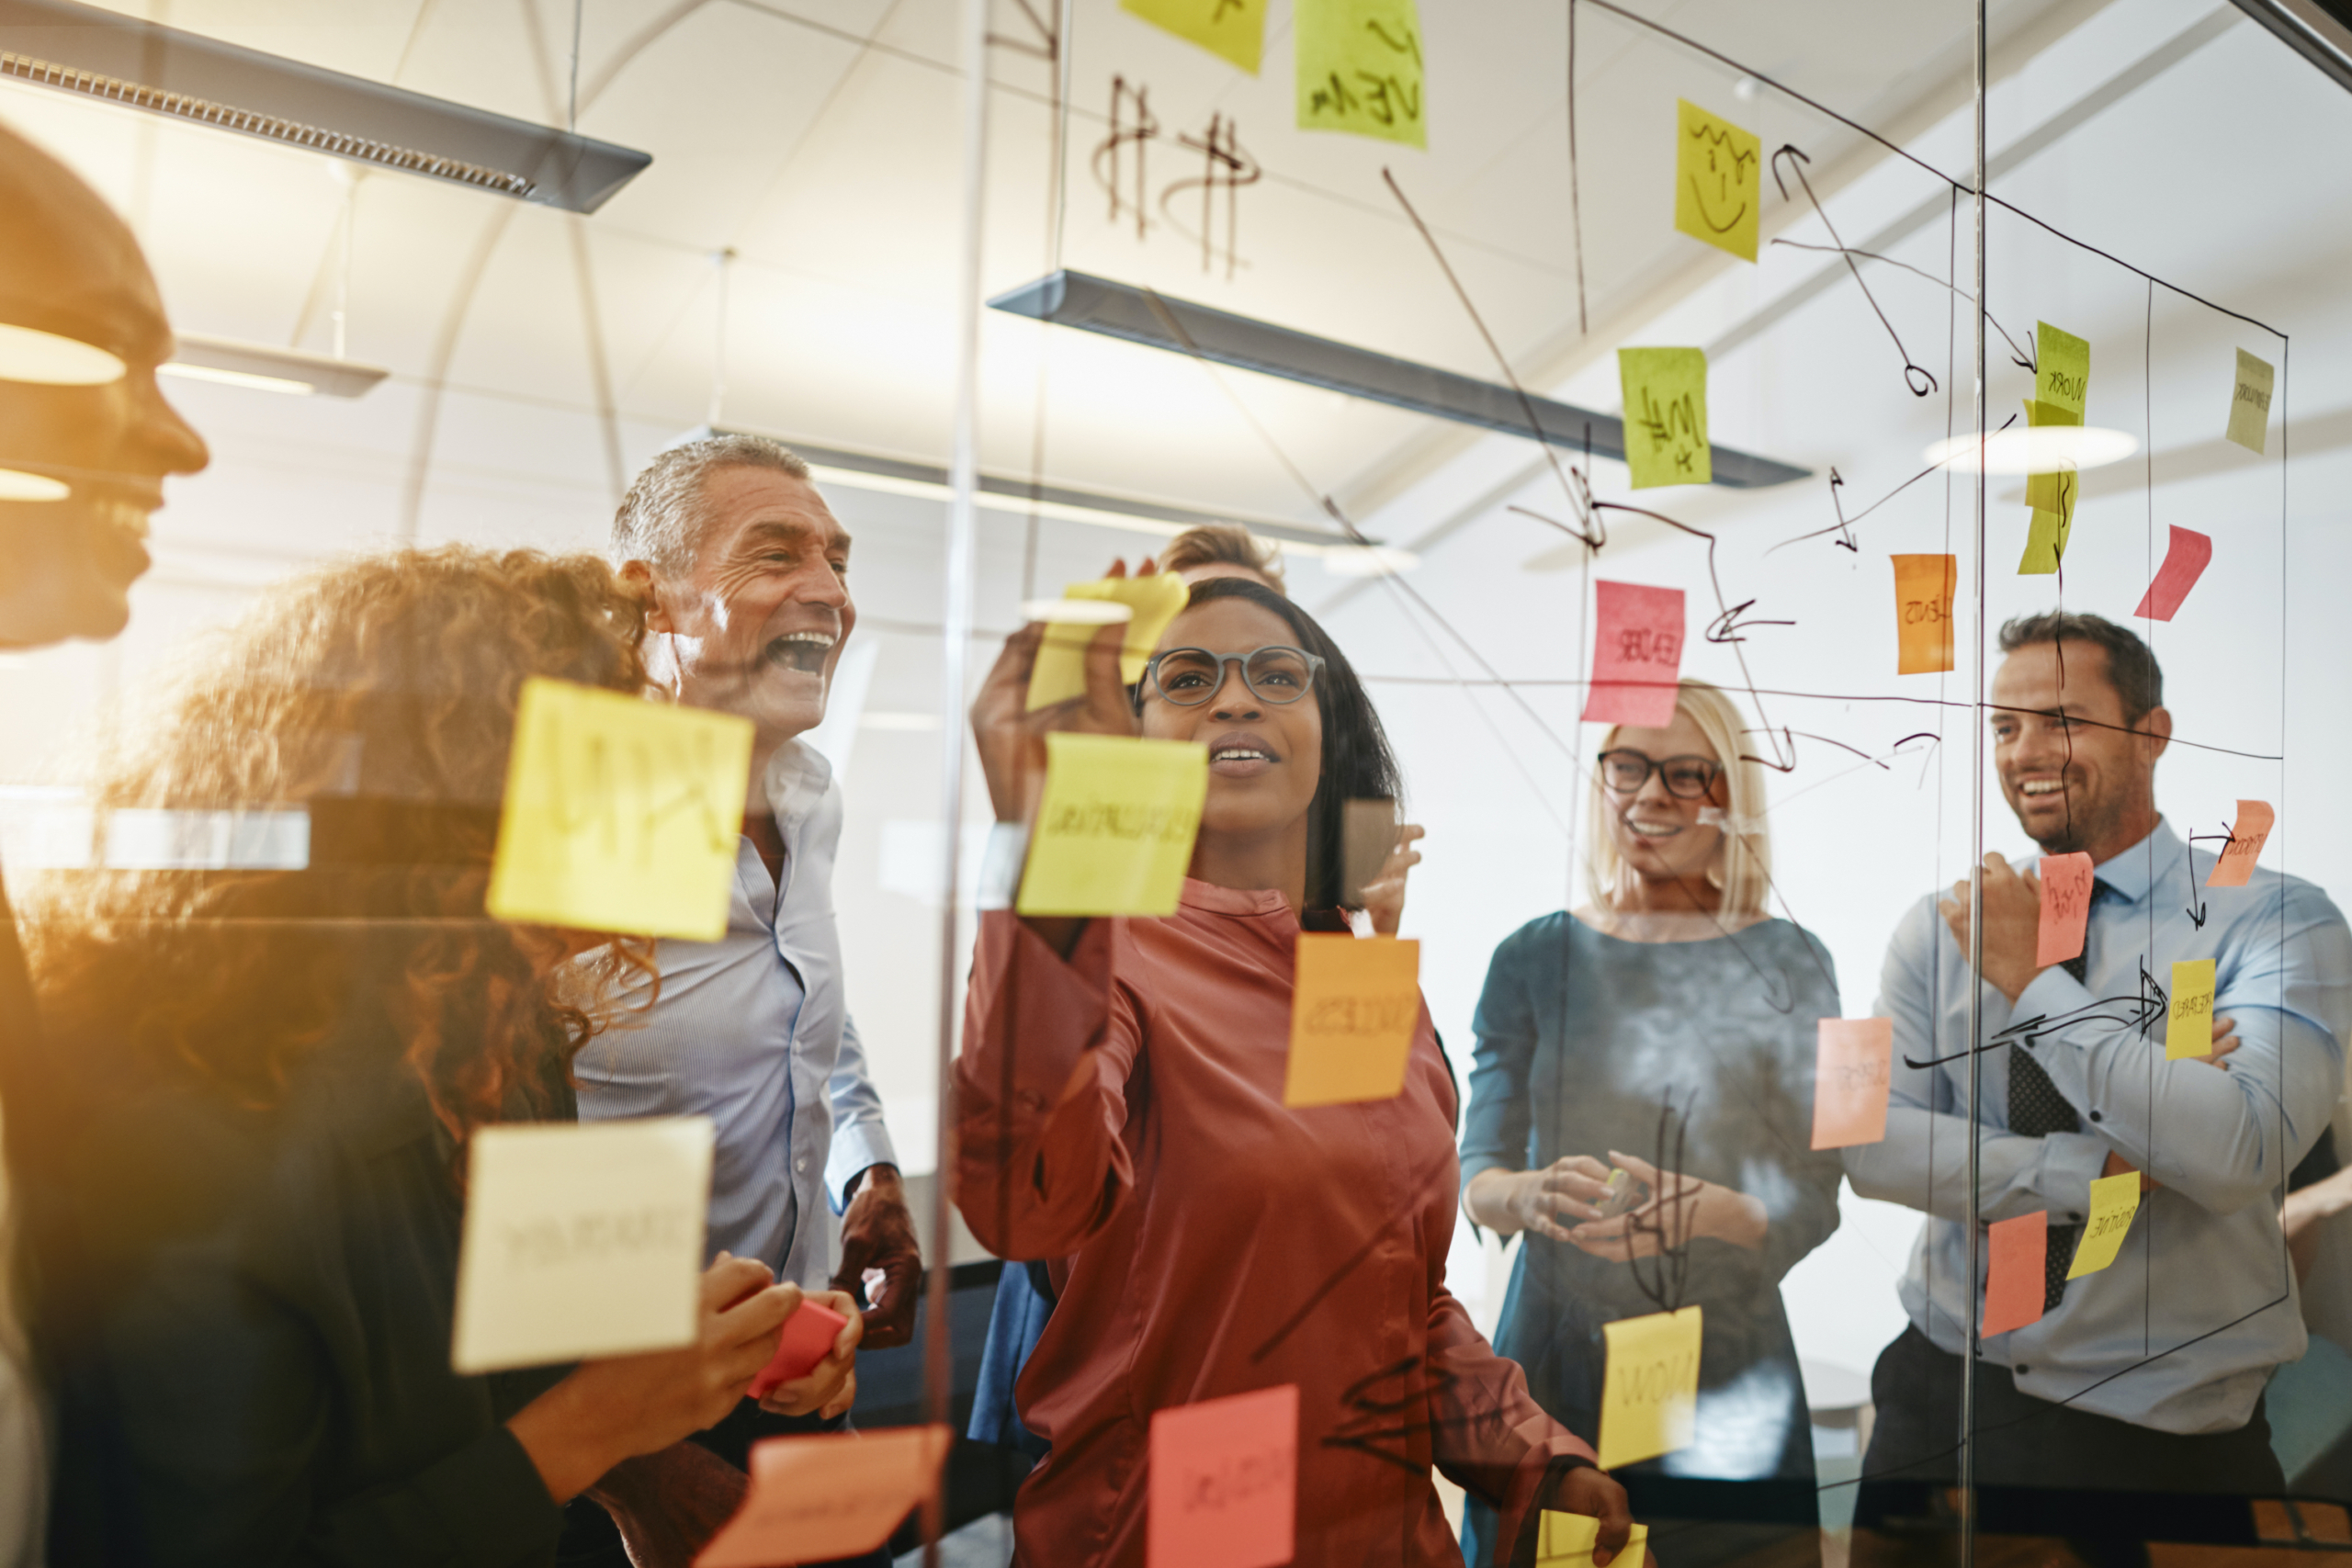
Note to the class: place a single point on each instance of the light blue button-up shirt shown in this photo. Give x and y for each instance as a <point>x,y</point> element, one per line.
<point>751,1031</point>
<point>2180,1332</point>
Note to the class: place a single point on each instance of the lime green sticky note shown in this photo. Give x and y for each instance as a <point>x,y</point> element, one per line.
<point>2061,371</point>
<point>1718,181</point>
<point>1666,415</point>
<point>1359,68</point>
<point>1650,1386</point>
<point>2045,543</point>
<point>1059,673</point>
<point>2055,491</point>
<point>1567,1540</point>
<point>2189,1029</point>
<point>621,814</point>
<point>2114,1200</point>
<point>1114,830</point>
<point>2250,403</point>
<point>1234,28</point>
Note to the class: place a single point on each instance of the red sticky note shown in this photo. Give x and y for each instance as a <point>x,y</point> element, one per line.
<point>808,1338</point>
<point>834,1495</point>
<point>2065,907</point>
<point>2185,562</point>
<point>1224,1482</point>
<point>1854,1060</point>
<point>2014,1284</point>
<point>2247,837</point>
<point>1637,655</point>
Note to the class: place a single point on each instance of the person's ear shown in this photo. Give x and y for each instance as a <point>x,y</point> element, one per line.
<point>2158,728</point>
<point>639,576</point>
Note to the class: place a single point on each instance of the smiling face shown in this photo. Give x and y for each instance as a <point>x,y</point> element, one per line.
<point>2070,768</point>
<point>1658,834</point>
<point>1265,758</point>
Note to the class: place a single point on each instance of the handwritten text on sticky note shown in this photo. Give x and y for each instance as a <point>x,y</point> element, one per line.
<point>2250,403</point>
<point>1059,673</point>
<point>2185,562</point>
<point>828,1495</point>
<point>1636,655</point>
<point>1923,590</point>
<point>1718,181</point>
<point>1224,1482</point>
<point>2114,1200</point>
<point>2065,907</point>
<point>1354,1011</point>
<point>1359,68</point>
<point>2061,371</point>
<point>2247,835</point>
<point>1234,28</point>
<point>1567,1540</point>
<point>2188,1027</point>
<point>1854,1059</point>
<point>1649,1390</point>
<point>1116,826</point>
<point>1666,415</point>
<point>2014,1283</point>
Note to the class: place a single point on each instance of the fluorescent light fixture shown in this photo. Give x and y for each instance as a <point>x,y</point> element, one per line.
<point>268,369</point>
<point>2045,450</point>
<point>237,379</point>
<point>1138,315</point>
<point>2319,31</point>
<point>1369,560</point>
<point>17,485</point>
<point>49,359</point>
<point>1078,612</point>
<point>182,75</point>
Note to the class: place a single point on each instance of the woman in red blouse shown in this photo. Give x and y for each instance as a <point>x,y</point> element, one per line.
<point>1121,1094</point>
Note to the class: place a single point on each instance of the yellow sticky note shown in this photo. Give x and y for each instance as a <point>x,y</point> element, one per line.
<point>581,1239</point>
<point>621,814</point>
<point>1115,826</point>
<point>2045,543</point>
<point>2055,491</point>
<point>2061,371</point>
<point>1059,673</point>
<point>1649,1395</point>
<point>1567,1540</point>
<point>1666,415</point>
<point>1234,28</point>
<point>2114,1200</point>
<point>1359,68</point>
<point>1718,181</point>
<point>2250,403</point>
<point>2189,1029</point>
<point>1355,1009</point>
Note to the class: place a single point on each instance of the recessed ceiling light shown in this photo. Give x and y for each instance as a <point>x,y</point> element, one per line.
<point>49,360</point>
<point>2043,450</point>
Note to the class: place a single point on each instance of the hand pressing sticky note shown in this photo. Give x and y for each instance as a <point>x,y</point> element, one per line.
<point>1853,1063</point>
<point>1059,673</point>
<point>2014,1283</point>
<point>1234,28</point>
<point>1636,655</point>
<point>2185,562</point>
<point>1224,1482</point>
<point>1650,1392</point>
<point>2250,403</point>
<point>2247,835</point>
<point>1718,181</point>
<point>621,814</point>
<point>1116,826</point>
<point>2062,372</point>
<point>580,1241</point>
<point>829,1495</point>
<point>2065,907</point>
<point>1923,590</point>
<point>1568,1540</point>
<point>1354,1011</point>
<point>1666,416</point>
<point>2188,1026</point>
<point>1359,68</point>
<point>2114,1200</point>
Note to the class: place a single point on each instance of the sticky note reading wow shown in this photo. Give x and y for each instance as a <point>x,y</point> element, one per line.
<point>2114,1200</point>
<point>1567,1540</point>
<point>1923,590</point>
<point>2185,562</point>
<point>1059,673</point>
<point>2065,907</point>
<point>1666,415</point>
<point>1359,68</point>
<point>2061,371</point>
<point>581,1240</point>
<point>1354,1011</point>
<point>2014,1283</point>
<point>2247,835</point>
<point>1115,826</point>
<point>1636,655</point>
<point>1224,1482</point>
<point>2250,403</point>
<point>1718,181</point>
<point>2188,1027</point>
<point>1234,28</point>
<point>1649,1393</point>
<point>828,1495</point>
<point>621,814</point>
<point>1853,1062</point>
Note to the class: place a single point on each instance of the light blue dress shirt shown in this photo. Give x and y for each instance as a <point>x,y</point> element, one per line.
<point>751,1031</point>
<point>2181,1331</point>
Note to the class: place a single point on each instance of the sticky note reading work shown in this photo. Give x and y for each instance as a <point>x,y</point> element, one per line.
<point>1649,1393</point>
<point>1354,1011</point>
<point>1567,1540</point>
<point>1666,416</point>
<point>1923,590</point>
<point>1059,673</point>
<point>828,1495</point>
<point>2065,907</point>
<point>2114,1200</point>
<point>2250,403</point>
<point>2188,1027</point>
<point>1115,826</point>
<point>1636,655</point>
<point>1853,1063</point>
<point>1234,28</point>
<point>2061,371</point>
<point>2247,835</point>
<point>621,814</point>
<point>1224,1482</point>
<point>2185,562</point>
<point>581,1239</point>
<point>1718,180</point>
<point>2014,1283</point>
<point>1359,68</point>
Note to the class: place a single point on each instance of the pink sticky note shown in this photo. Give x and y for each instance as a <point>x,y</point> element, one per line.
<point>808,1338</point>
<point>2065,907</point>
<point>1224,1482</point>
<point>835,1495</point>
<point>2014,1284</point>
<point>2185,562</point>
<point>2247,835</point>
<point>1855,1057</point>
<point>1637,655</point>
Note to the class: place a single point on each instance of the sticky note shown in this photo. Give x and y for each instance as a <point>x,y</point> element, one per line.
<point>1224,1482</point>
<point>1923,590</point>
<point>621,814</point>
<point>2185,562</point>
<point>2247,835</point>
<point>1650,1392</point>
<point>1567,1540</point>
<point>2189,1028</point>
<point>2014,1283</point>
<point>2045,542</point>
<point>1718,181</point>
<point>808,1338</point>
<point>2065,907</point>
<point>829,1495</point>
<point>1636,655</point>
<point>1359,68</point>
<point>1234,28</point>
<point>1853,1061</point>
<point>2250,403</point>
<point>1666,416</point>
<point>1059,673</point>
<point>2057,488</point>
<point>581,1239</point>
<point>2114,1200</point>
<point>1116,826</point>
<point>1367,838</point>
<point>1354,1009</point>
<point>2061,371</point>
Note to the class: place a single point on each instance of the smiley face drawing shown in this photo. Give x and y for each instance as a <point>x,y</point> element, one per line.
<point>1718,181</point>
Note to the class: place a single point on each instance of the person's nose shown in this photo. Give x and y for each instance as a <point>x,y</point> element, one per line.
<point>167,444</point>
<point>1234,697</point>
<point>818,584</point>
<point>1654,793</point>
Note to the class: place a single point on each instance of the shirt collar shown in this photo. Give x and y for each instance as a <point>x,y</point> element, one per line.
<point>2133,872</point>
<point>796,780</point>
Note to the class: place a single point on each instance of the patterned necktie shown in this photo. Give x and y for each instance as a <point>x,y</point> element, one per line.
<point>2036,1110</point>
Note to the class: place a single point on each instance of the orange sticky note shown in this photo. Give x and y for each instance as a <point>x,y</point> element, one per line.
<point>1923,590</point>
<point>1224,1482</point>
<point>1854,1060</point>
<point>2247,835</point>
<point>833,1495</point>
<point>2065,907</point>
<point>1636,655</point>
<point>2014,1283</point>
<point>1354,1011</point>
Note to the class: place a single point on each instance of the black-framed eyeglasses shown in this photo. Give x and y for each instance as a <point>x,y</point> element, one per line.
<point>1687,778</point>
<point>1191,676</point>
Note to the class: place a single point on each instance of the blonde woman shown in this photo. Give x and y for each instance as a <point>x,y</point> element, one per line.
<point>1667,1023</point>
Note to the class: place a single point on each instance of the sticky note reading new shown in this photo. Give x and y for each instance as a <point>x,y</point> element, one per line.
<point>2114,1200</point>
<point>1567,1540</point>
<point>1666,416</point>
<point>1354,1009</point>
<point>829,1495</point>
<point>1224,1482</point>
<point>1923,590</point>
<point>2250,404</point>
<point>581,1239</point>
<point>1650,1392</point>
<point>1059,673</point>
<point>2188,1027</point>
<point>1853,1063</point>
<point>1115,826</point>
<point>1234,28</point>
<point>2014,1283</point>
<point>621,814</point>
<point>2247,835</point>
<point>2185,562</point>
<point>1718,181</point>
<point>1636,655</point>
<point>1359,68</point>
<point>2065,907</point>
<point>2061,371</point>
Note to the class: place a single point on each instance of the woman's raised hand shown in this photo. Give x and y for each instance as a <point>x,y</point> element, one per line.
<point>1011,739</point>
<point>1384,895</point>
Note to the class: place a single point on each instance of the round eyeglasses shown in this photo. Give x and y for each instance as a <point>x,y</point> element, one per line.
<point>1191,676</point>
<point>1687,778</point>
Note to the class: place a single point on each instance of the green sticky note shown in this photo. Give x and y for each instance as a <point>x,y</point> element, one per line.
<point>1360,69</point>
<point>2055,491</point>
<point>2250,403</point>
<point>1116,826</point>
<point>2114,1200</point>
<point>1718,181</point>
<point>2062,372</point>
<point>2189,1028</point>
<point>2045,543</point>
<point>1666,415</point>
<point>1234,28</point>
